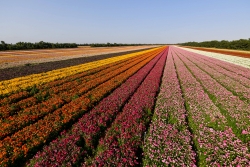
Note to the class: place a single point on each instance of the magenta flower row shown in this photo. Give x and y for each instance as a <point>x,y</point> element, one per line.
<point>73,146</point>
<point>120,146</point>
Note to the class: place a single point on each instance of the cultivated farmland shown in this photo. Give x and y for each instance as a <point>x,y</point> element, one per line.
<point>166,106</point>
<point>18,58</point>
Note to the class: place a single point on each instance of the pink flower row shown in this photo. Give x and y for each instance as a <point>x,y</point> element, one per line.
<point>73,146</point>
<point>226,65</point>
<point>169,141</point>
<point>214,139</point>
<point>228,79</point>
<point>122,141</point>
<point>235,110</point>
<point>223,68</point>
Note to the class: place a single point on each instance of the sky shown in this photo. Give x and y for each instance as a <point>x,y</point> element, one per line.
<point>128,21</point>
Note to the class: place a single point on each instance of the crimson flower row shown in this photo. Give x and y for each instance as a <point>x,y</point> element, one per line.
<point>122,141</point>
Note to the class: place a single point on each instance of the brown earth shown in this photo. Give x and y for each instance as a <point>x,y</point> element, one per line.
<point>18,71</point>
<point>238,53</point>
<point>23,57</point>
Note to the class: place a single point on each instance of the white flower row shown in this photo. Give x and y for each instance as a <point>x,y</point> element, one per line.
<point>245,62</point>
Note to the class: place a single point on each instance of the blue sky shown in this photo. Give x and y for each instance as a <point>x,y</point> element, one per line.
<point>128,21</point>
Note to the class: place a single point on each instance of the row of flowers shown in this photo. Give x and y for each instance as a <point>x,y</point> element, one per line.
<point>27,140</point>
<point>66,90</point>
<point>82,139</point>
<point>213,135</point>
<point>239,70</point>
<point>235,110</point>
<point>16,97</point>
<point>17,84</point>
<point>169,141</point>
<point>229,80</point>
<point>122,142</point>
<point>224,68</point>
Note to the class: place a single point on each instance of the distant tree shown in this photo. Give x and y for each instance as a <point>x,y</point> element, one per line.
<point>38,45</point>
<point>3,45</point>
<point>242,44</point>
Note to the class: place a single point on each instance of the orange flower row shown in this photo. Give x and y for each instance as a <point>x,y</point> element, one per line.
<point>30,115</point>
<point>11,86</point>
<point>70,83</point>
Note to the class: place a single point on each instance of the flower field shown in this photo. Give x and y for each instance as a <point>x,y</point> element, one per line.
<point>166,106</point>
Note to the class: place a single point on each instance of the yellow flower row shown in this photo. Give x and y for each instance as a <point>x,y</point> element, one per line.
<point>21,83</point>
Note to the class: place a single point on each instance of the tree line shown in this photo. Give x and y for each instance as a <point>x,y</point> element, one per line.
<point>241,44</point>
<point>110,44</point>
<point>37,45</point>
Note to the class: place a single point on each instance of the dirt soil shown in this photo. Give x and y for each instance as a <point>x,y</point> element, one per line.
<point>24,57</point>
<point>34,68</point>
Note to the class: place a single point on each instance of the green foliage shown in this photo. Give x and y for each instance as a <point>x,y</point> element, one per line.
<point>241,44</point>
<point>37,45</point>
<point>33,90</point>
<point>113,44</point>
